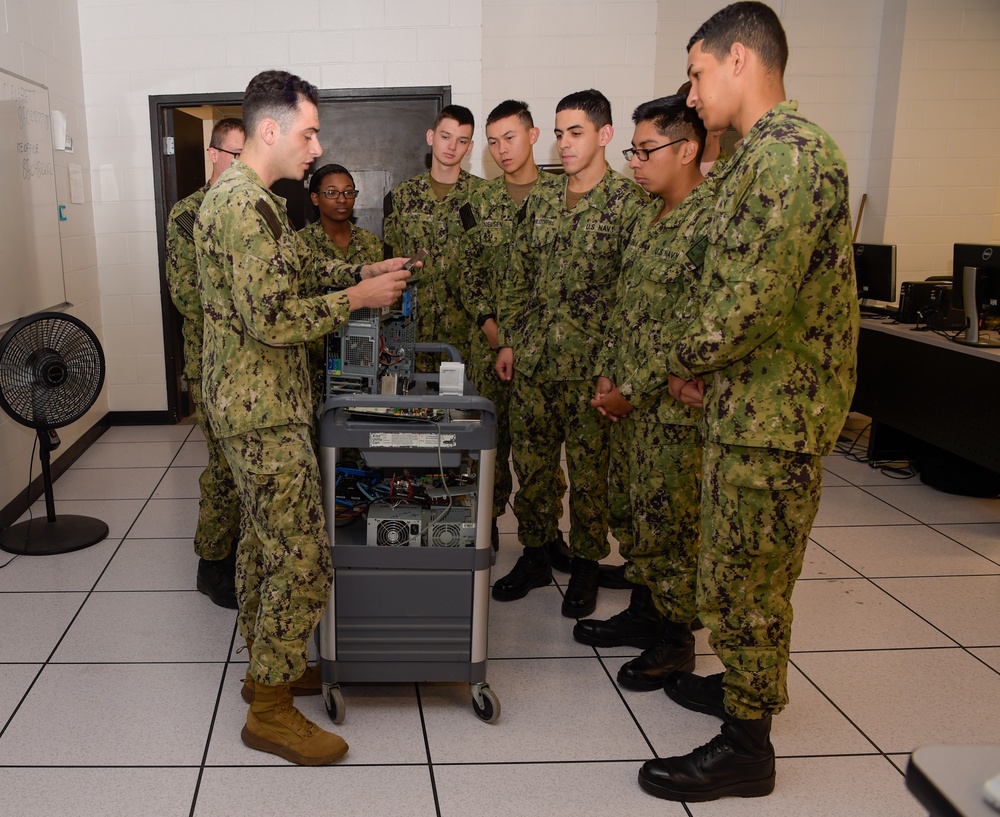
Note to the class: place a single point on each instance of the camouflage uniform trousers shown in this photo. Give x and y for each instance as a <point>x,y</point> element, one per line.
<point>543,415</point>
<point>487,384</point>
<point>654,486</point>
<point>219,501</point>
<point>283,567</point>
<point>758,507</point>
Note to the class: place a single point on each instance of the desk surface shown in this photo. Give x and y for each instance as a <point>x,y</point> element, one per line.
<point>907,332</point>
<point>948,780</point>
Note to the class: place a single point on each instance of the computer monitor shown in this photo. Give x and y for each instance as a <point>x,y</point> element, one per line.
<point>976,289</point>
<point>875,268</point>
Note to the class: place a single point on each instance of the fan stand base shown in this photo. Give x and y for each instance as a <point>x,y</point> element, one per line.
<point>39,537</point>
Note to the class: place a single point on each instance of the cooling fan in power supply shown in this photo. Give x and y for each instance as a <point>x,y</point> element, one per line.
<point>51,373</point>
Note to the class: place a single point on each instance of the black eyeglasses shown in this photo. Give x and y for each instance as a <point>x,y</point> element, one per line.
<point>336,194</point>
<point>642,154</point>
<point>234,153</point>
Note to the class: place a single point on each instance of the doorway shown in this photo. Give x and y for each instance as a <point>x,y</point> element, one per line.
<point>377,133</point>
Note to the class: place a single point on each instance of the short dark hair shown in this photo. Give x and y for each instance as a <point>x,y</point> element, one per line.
<point>511,107</point>
<point>318,175</point>
<point>221,128</point>
<point>754,24</point>
<point>459,113</point>
<point>673,119</point>
<point>592,102</point>
<point>275,95</point>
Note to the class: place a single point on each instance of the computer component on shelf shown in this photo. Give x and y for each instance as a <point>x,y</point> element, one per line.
<point>374,350</point>
<point>394,526</point>
<point>453,528</point>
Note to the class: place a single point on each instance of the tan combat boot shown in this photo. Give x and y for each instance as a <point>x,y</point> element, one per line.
<point>274,725</point>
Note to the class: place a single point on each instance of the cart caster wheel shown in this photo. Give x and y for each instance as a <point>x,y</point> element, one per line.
<point>334,700</point>
<point>485,703</point>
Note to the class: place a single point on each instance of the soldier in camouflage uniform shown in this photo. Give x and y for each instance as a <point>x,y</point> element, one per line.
<point>775,341</point>
<point>564,271</point>
<point>219,504</point>
<point>431,212</point>
<point>333,235</point>
<point>510,135</point>
<point>256,382</point>
<point>655,473</point>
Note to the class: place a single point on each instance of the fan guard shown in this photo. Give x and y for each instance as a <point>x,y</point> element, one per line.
<point>51,373</point>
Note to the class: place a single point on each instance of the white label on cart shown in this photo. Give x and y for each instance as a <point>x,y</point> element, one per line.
<point>402,439</point>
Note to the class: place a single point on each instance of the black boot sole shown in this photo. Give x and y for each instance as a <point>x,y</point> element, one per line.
<point>744,788</point>
<point>648,685</point>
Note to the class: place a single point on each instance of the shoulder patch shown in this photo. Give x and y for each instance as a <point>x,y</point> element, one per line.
<point>270,217</point>
<point>185,223</point>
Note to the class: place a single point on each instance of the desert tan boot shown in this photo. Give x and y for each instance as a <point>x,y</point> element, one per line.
<point>274,725</point>
<point>309,684</point>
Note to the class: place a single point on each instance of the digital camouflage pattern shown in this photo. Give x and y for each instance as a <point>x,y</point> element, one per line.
<point>758,506</point>
<point>553,313</point>
<point>564,272</point>
<point>654,479</point>
<point>283,566</point>
<point>776,340</point>
<point>486,249</point>
<point>415,219</point>
<point>218,503</point>
<point>258,310</point>
<point>258,317</point>
<point>777,332</point>
<point>364,248</point>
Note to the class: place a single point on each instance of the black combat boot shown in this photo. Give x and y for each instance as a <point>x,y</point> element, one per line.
<point>738,762</point>
<point>697,693</point>
<point>530,571</point>
<point>560,556</point>
<point>581,592</point>
<point>637,625</point>
<point>217,580</point>
<point>613,577</point>
<point>672,652</point>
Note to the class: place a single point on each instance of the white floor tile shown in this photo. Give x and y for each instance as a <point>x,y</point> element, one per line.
<point>530,790</point>
<point>157,627</point>
<point>107,483</point>
<point>376,791</point>
<point>975,622</point>
<point>14,682</point>
<point>854,506</point>
<point>852,614</point>
<point>901,550</point>
<point>860,473</point>
<point>117,514</point>
<point>821,564</point>
<point>825,787</point>
<point>902,699</point>
<point>33,623</point>
<point>156,454</point>
<point>179,483</point>
<point>982,538</point>
<point>935,507</point>
<point>194,453</point>
<point>96,792</point>
<point>151,564</point>
<point>78,570</point>
<point>114,715</point>
<point>533,627</point>
<point>167,519</point>
<point>559,709</point>
<point>991,655</point>
<point>142,434</point>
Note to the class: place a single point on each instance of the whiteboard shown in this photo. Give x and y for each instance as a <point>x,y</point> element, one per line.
<point>31,268</point>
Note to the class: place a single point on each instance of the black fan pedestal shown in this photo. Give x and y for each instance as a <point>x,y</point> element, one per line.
<point>51,535</point>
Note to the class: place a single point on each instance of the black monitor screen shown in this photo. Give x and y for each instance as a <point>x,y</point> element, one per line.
<point>875,267</point>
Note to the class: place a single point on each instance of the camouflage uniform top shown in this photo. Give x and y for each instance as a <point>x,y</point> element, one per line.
<point>656,301</point>
<point>487,247</point>
<point>364,248</point>
<point>415,219</point>
<point>563,275</point>
<point>258,311</point>
<point>778,328</point>
<point>182,278</point>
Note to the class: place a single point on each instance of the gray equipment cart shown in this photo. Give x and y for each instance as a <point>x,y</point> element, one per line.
<point>410,596</point>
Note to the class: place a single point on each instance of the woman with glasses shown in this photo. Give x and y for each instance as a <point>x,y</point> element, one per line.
<point>333,235</point>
